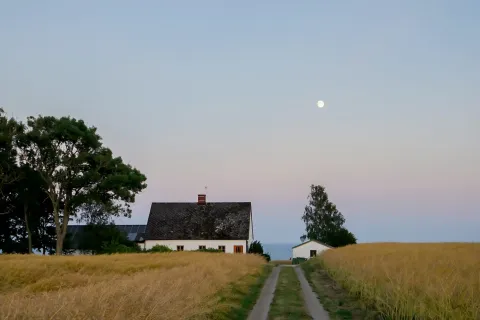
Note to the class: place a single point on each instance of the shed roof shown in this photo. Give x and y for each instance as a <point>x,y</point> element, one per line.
<point>301,244</point>
<point>193,221</point>
<point>134,232</point>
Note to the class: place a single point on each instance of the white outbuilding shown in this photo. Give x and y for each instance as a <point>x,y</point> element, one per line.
<point>309,249</point>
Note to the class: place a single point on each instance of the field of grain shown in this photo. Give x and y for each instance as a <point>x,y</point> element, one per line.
<point>411,281</point>
<point>177,285</point>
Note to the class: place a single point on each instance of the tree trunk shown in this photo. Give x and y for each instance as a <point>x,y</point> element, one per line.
<point>61,230</point>
<point>58,230</point>
<point>65,219</point>
<point>59,248</point>
<point>29,235</point>
<point>43,235</point>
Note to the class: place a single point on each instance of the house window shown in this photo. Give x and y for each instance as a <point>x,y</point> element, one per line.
<point>202,247</point>
<point>221,248</point>
<point>179,248</point>
<point>313,253</point>
<point>238,249</point>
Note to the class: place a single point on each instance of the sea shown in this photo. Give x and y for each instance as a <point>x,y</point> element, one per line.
<point>278,251</point>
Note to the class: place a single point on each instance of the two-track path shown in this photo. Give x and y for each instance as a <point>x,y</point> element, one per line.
<point>262,307</point>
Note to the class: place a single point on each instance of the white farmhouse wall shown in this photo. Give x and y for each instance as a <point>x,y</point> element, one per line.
<point>303,251</point>
<point>250,230</point>
<point>189,245</point>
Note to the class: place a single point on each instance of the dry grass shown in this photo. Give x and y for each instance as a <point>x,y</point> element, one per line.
<point>178,285</point>
<point>411,281</point>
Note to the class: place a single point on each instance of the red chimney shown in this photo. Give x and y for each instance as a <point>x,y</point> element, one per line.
<point>202,199</point>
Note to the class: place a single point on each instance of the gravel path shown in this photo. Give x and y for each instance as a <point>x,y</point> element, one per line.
<point>260,311</point>
<point>314,308</point>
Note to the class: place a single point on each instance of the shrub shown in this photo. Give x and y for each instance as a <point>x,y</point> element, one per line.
<point>160,248</point>
<point>208,250</point>
<point>256,247</point>
<point>266,256</point>
<point>298,260</point>
<point>115,247</point>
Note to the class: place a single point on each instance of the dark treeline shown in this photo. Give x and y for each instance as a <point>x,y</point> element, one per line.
<point>53,171</point>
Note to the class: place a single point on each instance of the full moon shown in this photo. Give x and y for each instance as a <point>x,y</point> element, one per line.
<point>320,104</point>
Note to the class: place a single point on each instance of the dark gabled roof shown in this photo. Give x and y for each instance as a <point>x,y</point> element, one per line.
<point>191,221</point>
<point>323,244</point>
<point>134,232</point>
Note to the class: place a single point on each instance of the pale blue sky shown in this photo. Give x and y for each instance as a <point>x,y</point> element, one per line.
<point>222,93</point>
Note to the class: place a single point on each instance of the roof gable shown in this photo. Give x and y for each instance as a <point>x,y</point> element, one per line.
<point>321,243</point>
<point>191,221</point>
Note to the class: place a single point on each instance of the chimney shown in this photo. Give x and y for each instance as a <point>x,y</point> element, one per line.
<point>202,199</point>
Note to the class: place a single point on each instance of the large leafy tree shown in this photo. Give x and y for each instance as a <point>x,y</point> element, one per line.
<point>9,173</point>
<point>24,226</point>
<point>28,225</point>
<point>9,240</point>
<point>323,221</point>
<point>44,232</point>
<point>31,214</point>
<point>32,204</point>
<point>76,169</point>
<point>96,213</point>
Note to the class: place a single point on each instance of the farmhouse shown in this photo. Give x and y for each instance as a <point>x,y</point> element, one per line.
<point>309,249</point>
<point>226,226</point>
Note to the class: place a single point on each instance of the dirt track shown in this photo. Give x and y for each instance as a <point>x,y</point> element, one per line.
<point>262,307</point>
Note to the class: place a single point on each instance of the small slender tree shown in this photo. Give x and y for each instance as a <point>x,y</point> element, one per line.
<point>323,221</point>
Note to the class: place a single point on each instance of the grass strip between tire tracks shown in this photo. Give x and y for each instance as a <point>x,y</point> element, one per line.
<point>237,300</point>
<point>288,301</point>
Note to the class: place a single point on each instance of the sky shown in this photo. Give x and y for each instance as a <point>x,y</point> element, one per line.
<point>223,94</point>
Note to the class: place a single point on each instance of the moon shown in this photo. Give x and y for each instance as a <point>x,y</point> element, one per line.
<point>320,104</point>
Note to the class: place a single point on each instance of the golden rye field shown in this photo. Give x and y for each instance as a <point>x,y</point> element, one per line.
<point>426,280</point>
<point>178,285</point>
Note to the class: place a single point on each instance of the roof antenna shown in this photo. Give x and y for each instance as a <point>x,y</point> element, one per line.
<point>206,190</point>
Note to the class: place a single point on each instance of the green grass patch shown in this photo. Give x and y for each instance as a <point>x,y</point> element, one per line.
<point>298,260</point>
<point>281,262</point>
<point>237,300</point>
<point>335,299</point>
<point>288,301</point>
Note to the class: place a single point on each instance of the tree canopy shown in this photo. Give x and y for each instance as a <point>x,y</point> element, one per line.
<point>54,170</point>
<point>323,221</point>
